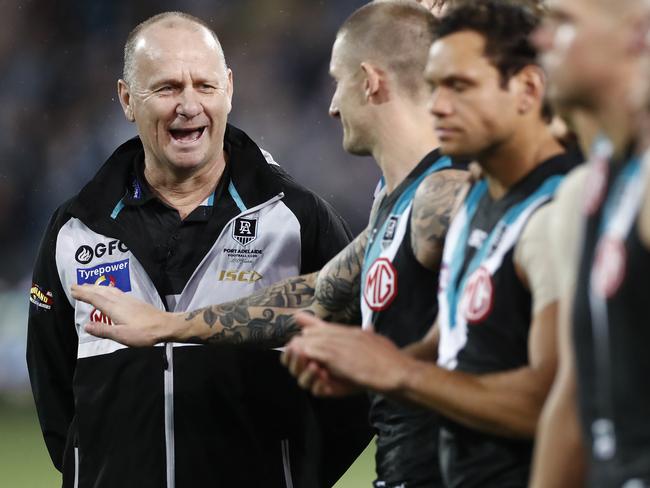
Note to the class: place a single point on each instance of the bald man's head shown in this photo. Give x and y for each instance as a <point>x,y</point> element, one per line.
<point>393,34</point>
<point>165,20</point>
<point>592,50</point>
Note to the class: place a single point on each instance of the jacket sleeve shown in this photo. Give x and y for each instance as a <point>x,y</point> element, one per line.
<point>323,234</point>
<point>51,347</point>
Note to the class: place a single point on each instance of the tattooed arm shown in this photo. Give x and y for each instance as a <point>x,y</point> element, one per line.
<point>434,203</point>
<point>264,318</point>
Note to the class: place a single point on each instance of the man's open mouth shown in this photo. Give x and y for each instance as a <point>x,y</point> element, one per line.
<point>187,135</point>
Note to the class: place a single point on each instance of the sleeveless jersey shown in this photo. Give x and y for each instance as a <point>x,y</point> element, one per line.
<point>484,317</point>
<point>610,324</point>
<point>398,300</point>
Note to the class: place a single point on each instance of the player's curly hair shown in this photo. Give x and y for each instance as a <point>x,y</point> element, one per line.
<point>506,26</point>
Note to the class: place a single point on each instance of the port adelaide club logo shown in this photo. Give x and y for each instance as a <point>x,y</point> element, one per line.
<point>244,230</point>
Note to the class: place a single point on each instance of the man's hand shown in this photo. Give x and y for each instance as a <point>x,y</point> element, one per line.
<point>136,323</point>
<point>326,356</point>
<point>313,376</point>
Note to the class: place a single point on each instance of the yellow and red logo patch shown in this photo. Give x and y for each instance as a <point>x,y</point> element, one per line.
<point>40,298</point>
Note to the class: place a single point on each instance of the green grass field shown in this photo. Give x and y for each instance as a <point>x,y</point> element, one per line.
<point>24,462</point>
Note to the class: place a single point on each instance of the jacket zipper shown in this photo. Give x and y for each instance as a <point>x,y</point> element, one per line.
<point>286,463</point>
<point>169,415</point>
<point>170,449</point>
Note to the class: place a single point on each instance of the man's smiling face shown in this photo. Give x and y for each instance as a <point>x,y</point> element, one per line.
<point>179,95</point>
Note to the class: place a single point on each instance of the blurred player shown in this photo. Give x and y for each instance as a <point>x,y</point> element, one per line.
<point>594,427</point>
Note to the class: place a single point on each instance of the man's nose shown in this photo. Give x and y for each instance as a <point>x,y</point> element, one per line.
<point>440,104</point>
<point>189,105</point>
<point>334,110</point>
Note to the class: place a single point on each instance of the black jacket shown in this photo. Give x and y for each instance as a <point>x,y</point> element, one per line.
<point>177,415</point>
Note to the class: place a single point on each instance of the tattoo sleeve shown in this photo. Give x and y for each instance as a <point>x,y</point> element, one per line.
<point>265,318</point>
<point>434,203</point>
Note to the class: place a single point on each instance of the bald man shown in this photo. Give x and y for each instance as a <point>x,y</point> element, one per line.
<point>190,212</point>
<point>594,429</point>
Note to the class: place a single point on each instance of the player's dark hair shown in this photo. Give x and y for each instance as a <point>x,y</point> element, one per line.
<point>506,26</point>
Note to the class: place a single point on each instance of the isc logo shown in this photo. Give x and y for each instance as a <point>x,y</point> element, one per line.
<point>236,275</point>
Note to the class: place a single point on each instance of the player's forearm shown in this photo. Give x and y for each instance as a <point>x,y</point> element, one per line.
<point>423,350</point>
<point>338,285</point>
<point>264,318</point>
<point>559,457</point>
<point>505,404</point>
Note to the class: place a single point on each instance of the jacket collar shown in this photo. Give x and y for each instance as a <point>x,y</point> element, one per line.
<point>254,178</point>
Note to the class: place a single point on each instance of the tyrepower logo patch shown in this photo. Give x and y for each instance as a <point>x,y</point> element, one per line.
<point>40,298</point>
<point>381,285</point>
<point>107,274</point>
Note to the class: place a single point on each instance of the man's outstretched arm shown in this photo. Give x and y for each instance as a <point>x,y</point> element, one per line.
<point>264,318</point>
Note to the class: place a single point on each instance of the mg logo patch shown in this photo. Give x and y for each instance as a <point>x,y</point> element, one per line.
<point>244,230</point>
<point>380,288</point>
<point>609,266</point>
<point>478,297</point>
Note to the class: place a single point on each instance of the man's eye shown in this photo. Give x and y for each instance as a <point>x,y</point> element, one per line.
<point>165,89</point>
<point>459,86</point>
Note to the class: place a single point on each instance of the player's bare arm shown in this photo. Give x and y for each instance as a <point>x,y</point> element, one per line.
<point>264,318</point>
<point>435,201</point>
<point>433,205</point>
<point>505,403</point>
<point>559,456</point>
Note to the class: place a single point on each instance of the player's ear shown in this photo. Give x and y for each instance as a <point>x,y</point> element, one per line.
<point>124,95</point>
<point>531,83</point>
<point>374,84</point>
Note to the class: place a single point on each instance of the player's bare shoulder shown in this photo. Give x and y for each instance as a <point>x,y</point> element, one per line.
<point>435,200</point>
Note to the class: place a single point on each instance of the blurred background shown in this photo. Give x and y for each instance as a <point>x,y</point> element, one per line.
<point>60,120</point>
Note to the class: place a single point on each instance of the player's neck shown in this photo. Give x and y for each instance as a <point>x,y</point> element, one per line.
<point>511,161</point>
<point>184,190</point>
<point>404,140</point>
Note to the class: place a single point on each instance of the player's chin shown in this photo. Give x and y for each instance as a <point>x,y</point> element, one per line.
<point>355,147</point>
<point>451,147</point>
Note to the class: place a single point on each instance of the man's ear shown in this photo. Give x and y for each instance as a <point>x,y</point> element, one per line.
<point>124,94</point>
<point>531,82</point>
<point>375,84</point>
<point>230,89</point>
<point>637,24</point>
